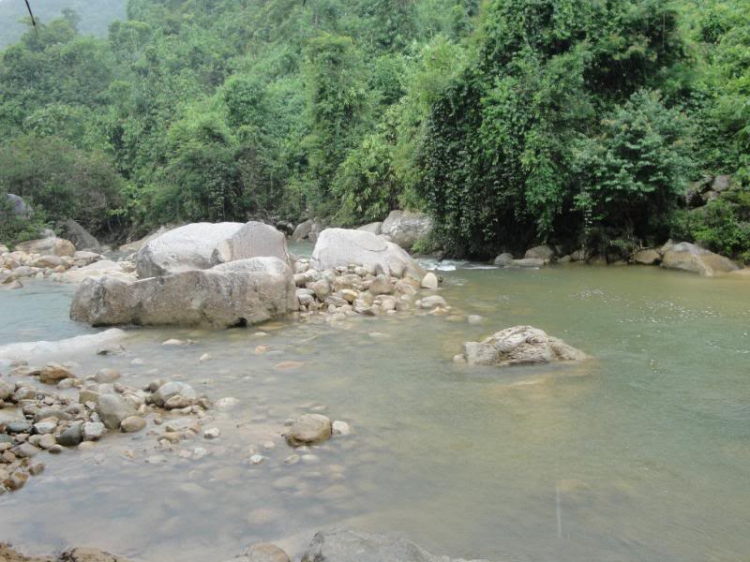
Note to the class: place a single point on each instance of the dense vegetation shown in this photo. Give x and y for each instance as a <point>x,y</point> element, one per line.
<point>597,124</point>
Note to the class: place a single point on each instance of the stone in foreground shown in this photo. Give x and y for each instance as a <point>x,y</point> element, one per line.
<point>520,345</point>
<point>694,259</point>
<point>238,293</point>
<point>339,247</point>
<point>356,546</point>
<point>309,429</point>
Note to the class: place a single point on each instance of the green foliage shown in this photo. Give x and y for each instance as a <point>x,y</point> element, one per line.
<point>60,180</point>
<point>634,172</point>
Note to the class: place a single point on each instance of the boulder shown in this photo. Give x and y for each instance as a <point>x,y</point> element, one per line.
<point>341,545</point>
<point>647,257</point>
<point>373,227</point>
<point>505,259</point>
<point>187,248</point>
<point>79,236</point>
<point>302,231</point>
<point>544,253</point>
<point>520,345</point>
<point>309,429</point>
<point>430,281</point>
<point>51,246</point>
<point>405,228</point>
<point>237,293</point>
<point>337,247</point>
<point>253,240</point>
<point>112,409</point>
<point>689,257</point>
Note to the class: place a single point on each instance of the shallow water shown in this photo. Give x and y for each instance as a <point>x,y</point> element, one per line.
<point>641,454</point>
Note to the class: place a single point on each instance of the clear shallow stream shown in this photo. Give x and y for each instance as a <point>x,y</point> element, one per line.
<point>642,454</point>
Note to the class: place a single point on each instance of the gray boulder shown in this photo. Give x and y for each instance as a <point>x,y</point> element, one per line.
<point>355,546</point>
<point>520,345</point>
<point>187,248</point>
<point>237,293</point>
<point>543,252</point>
<point>647,256</point>
<point>253,240</point>
<point>694,259</point>
<point>505,259</point>
<point>302,231</point>
<point>405,228</point>
<point>19,207</point>
<point>341,247</point>
<point>112,409</point>
<point>82,239</point>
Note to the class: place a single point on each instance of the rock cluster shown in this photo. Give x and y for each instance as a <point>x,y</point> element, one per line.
<point>519,345</point>
<point>52,421</point>
<point>57,260</point>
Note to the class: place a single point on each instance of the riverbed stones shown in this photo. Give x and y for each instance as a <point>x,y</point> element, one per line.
<point>112,409</point>
<point>53,373</point>
<point>309,429</point>
<point>520,345</point>
<point>237,293</point>
<point>341,545</point>
<point>252,240</point>
<point>132,424</point>
<point>694,259</point>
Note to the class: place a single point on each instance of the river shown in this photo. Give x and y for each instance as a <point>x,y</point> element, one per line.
<point>641,454</point>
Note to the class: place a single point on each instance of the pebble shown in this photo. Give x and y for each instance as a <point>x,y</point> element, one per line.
<point>341,428</point>
<point>132,424</point>
<point>212,433</point>
<point>257,459</point>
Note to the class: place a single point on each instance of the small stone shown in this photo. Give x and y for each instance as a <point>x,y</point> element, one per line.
<point>341,428</point>
<point>55,449</point>
<point>265,552</point>
<point>475,319</point>
<point>205,357</point>
<point>36,469</point>
<point>54,373</point>
<point>429,282</point>
<point>92,431</point>
<point>309,429</point>
<point>107,376</point>
<point>16,481</point>
<point>292,459</point>
<point>72,436</point>
<point>47,442</point>
<point>26,451</point>
<point>199,453</point>
<point>132,424</point>
<point>257,459</point>
<point>212,433</point>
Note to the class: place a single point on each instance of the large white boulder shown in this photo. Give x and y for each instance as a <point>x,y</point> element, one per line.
<point>405,227</point>
<point>238,293</point>
<point>253,240</point>
<point>689,257</point>
<point>341,247</point>
<point>520,345</point>
<point>186,248</point>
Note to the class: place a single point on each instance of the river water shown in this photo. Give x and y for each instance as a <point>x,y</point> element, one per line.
<point>640,454</point>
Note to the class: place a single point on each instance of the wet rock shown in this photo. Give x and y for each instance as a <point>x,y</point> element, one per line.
<point>112,409</point>
<point>26,451</point>
<point>430,281</point>
<point>262,552</point>
<point>174,389</point>
<point>132,424</point>
<point>381,285</point>
<point>19,426</point>
<point>72,436</point>
<point>212,433</point>
<point>47,442</point>
<point>237,293</point>
<point>694,259</point>
<point>309,429</point>
<point>647,257</point>
<point>16,481</point>
<point>6,390</point>
<point>356,546</point>
<point>93,431</point>
<point>433,301</point>
<point>107,376</point>
<point>520,345</point>
<point>54,373</point>
<point>341,428</point>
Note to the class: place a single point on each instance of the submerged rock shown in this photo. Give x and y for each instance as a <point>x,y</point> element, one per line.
<point>355,546</point>
<point>689,257</point>
<point>520,345</point>
<point>238,293</point>
<point>339,247</point>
